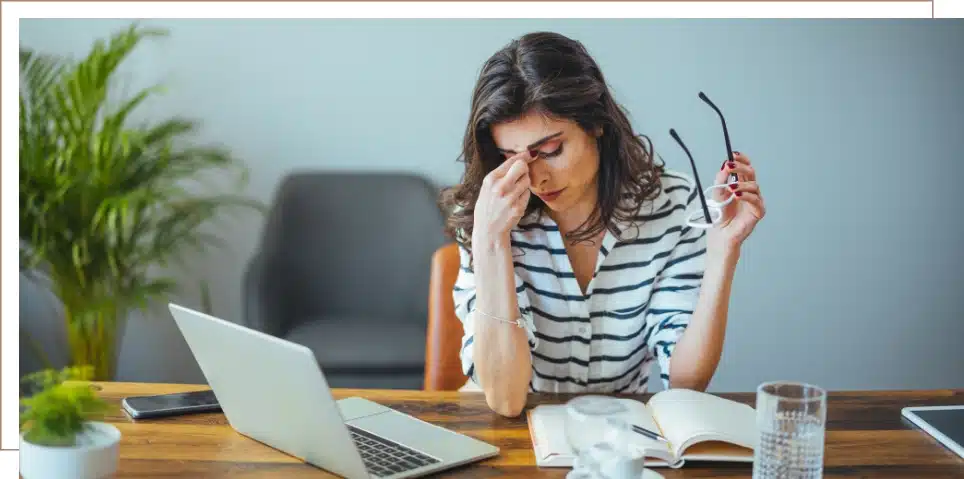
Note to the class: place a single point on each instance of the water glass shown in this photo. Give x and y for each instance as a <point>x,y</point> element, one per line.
<point>791,420</point>
<point>599,435</point>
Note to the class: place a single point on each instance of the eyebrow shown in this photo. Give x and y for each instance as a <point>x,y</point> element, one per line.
<point>535,144</point>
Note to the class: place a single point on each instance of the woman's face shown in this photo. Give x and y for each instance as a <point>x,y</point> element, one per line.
<point>564,173</point>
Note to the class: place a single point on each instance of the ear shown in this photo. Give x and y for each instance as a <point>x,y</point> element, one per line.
<point>598,131</point>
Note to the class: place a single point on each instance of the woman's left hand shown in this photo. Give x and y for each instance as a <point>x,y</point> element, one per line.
<point>747,208</point>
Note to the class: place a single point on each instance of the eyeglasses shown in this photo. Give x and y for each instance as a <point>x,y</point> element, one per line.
<point>712,209</point>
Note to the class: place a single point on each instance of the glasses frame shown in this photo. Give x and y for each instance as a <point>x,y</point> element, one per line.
<point>729,155</point>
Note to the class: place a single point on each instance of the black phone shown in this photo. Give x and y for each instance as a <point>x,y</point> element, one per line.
<point>176,404</point>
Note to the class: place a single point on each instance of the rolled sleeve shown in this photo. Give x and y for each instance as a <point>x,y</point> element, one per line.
<point>464,295</point>
<point>674,296</point>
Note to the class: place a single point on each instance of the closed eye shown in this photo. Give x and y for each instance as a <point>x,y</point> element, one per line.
<point>538,153</point>
<point>551,154</point>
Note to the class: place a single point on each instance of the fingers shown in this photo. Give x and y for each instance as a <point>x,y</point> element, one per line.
<point>518,168</point>
<point>502,169</point>
<point>518,188</point>
<point>506,165</point>
<point>505,193</point>
<point>743,171</point>
<point>737,166</point>
<point>721,178</point>
<point>514,181</point>
<point>517,200</point>
<point>746,190</point>
<point>754,201</point>
<point>746,187</point>
<point>518,171</point>
<point>741,158</point>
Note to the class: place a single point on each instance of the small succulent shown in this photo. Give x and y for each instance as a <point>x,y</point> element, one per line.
<point>59,409</point>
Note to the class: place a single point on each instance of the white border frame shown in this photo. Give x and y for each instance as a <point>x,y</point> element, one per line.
<point>910,413</point>
<point>14,11</point>
<point>948,8</point>
<point>477,9</point>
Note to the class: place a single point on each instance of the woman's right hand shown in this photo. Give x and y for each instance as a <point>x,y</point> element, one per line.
<point>502,199</point>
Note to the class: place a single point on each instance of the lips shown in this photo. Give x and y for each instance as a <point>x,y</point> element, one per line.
<point>550,195</point>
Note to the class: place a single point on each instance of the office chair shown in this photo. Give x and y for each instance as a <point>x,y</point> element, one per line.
<point>343,268</point>
<point>443,367</point>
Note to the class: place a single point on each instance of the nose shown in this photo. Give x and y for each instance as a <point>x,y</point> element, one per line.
<point>538,173</point>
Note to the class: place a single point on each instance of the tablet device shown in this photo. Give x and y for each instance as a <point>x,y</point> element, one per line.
<point>945,423</point>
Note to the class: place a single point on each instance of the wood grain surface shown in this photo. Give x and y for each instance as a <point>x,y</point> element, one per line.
<point>866,437</point>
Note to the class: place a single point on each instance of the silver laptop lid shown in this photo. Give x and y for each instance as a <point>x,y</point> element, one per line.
<point>271,390</point>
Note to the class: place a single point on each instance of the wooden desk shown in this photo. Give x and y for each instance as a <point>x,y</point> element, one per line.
<point>866,437</point>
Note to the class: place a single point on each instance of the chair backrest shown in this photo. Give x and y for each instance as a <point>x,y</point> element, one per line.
<point>443,367</point>
<point>354,244</point>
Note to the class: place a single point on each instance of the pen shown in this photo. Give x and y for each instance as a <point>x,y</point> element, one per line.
<point>649,434</point>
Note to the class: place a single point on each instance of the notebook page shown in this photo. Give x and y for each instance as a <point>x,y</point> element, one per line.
<point>687,415</point>
<point>549,426</point>
<point>641,415</point>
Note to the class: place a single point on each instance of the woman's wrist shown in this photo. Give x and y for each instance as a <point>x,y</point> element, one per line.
<point>485,242</point>
<point>722,258</point>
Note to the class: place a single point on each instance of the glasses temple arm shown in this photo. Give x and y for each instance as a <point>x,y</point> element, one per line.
<point>696,176</point>
<point>726,133</point>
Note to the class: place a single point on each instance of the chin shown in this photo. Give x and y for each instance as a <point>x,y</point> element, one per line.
<point>559,205</point>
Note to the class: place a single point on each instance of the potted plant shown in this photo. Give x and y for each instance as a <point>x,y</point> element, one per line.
<point>60,436</point>
<point>107,203</point>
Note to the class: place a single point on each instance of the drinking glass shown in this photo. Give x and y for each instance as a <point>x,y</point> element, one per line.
<point>791,420</point>
<point>599,435</point>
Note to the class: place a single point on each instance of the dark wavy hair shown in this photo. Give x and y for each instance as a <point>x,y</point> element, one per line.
<point>552,75</point>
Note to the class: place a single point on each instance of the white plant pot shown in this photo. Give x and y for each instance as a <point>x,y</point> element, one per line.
<point>94,456</point>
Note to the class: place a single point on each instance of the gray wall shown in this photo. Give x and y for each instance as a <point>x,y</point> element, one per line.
<point>852,281</point>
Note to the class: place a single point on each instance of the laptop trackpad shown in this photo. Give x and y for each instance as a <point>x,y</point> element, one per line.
<point>355,407</point>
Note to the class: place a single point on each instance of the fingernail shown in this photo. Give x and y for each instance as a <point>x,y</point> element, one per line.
<point>732,164</point>
<point>737,153</point>
<point>723,165</point>
<point>739,193</point>
<point>733,186</point>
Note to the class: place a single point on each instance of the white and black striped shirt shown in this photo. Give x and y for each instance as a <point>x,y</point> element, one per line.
<point>639,301</point>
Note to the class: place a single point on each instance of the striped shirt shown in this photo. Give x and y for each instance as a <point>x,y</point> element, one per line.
<point>635,308</point>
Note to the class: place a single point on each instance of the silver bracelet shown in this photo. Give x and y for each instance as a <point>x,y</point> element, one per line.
<point>518,322</point>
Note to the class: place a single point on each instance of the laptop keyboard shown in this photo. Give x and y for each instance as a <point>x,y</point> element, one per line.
<point>383,457</point>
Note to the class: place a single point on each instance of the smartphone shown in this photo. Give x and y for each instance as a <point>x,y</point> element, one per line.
<point>162,405</point>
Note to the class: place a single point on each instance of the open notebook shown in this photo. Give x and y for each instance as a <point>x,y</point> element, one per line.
<point>699,427</point>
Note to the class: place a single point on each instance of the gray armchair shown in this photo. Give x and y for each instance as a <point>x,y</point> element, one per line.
<point>343,268</point>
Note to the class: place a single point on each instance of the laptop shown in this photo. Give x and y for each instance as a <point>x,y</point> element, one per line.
<point>273,391</point>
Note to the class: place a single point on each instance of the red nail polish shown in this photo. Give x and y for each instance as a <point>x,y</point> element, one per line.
<point>739,193</point>
<point>732,164</point>
<point>733,186</point>
<point>736,153</point>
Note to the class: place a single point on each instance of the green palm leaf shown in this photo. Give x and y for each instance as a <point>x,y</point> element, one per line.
<point>103,202</point>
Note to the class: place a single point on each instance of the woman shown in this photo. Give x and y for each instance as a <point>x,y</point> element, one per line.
<point>578,268</point>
